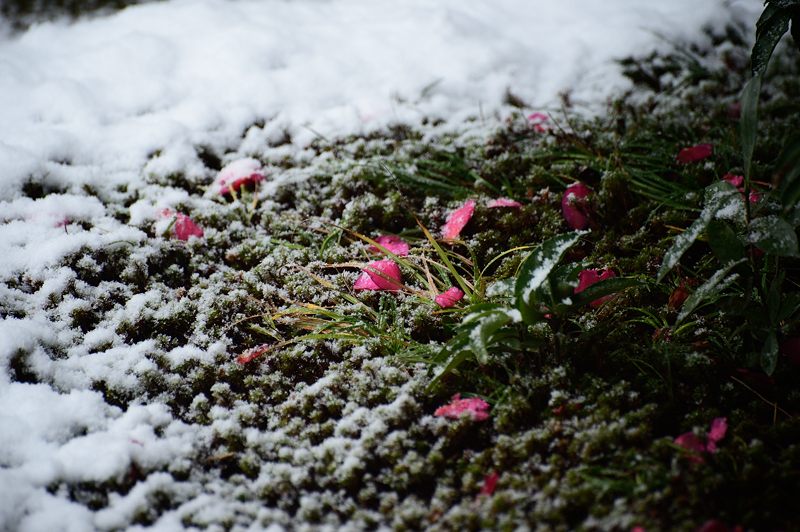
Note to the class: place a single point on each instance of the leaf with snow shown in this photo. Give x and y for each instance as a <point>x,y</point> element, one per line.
<point>712,287</point>
<point>536,268</point>
<point>773,235</point>
<point>719,197</point>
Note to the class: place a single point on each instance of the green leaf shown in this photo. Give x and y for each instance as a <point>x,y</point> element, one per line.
<point>721,197</point>
<point>724,242</point>
<point>483,326</point>
<point>535,270</point>
<point>748,123</point>
<point>774,22</point>
<point>604,288</point>
<point>789,305</point>
<point>773,235</point>
<point>712,287</point>
<point>769,353</point>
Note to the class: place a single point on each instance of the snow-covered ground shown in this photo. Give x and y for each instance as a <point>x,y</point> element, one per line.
<point>90,111</point>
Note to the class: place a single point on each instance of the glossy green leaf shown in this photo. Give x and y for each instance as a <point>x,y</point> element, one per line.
<point>724,242</point>
<point>721,197</point>
<point>774,22</point>
<point>713,287</point>
<point>748,122</point>
<point>769,353</point>
<point>536,269</point>
<point>773,235</point>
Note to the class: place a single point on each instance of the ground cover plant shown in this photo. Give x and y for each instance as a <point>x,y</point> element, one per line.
<point>569,323</point>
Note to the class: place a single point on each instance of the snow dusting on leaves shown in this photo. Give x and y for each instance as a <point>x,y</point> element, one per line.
<point>575,206</point>
<point>474,407</point>
<point>449,297</point>
<point>393,243</point>
<point>695,153</point>
<point>457,220</point>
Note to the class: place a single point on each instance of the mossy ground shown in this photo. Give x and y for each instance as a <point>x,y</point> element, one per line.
<point>334,430</point>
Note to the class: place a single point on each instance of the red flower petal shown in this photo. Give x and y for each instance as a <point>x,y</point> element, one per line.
<point>185,227</point>
<point>457,220</point>
<point>719,427</point>
<point>587,278</point>
<point>691,442</point>
<point>575,206</point>
<point>503,202</point>
<point>380,275</point>
<point>489,483</point>
<point>252,354</point>
<point>695,153</point>
<point>449,297</point>
<point>238,173</point>
<point>735,180</point>
<point>393,243</point>
<point>539,122</point>
<point>476,408</point>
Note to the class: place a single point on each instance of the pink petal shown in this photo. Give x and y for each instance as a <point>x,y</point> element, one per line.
<point>365,282</point>
<point>457,220</point>
<point>539,121</point>
<point>380,275</point>
<point>185,227</point>
<point>503,202</point>
<point>476,408</point>
<point>695,153</point>
<point>489,483</point>
<point>575,205</point>
<point>393,243</point>
<point>587,278</point>
<point>719,427</point>
<point>252,354</point>
<point>735,180</point>
<point>238,173</point>
<point>449,297</point>
<point>691,442</point>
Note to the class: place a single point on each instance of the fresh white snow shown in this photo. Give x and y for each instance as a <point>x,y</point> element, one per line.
<point>103,103</point>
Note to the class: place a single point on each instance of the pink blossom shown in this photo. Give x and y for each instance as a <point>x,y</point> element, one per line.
<point>380,275</point>
<point>719,427</point>
<point>539,122</point>
<point>735,180</point>
<point>695,153</point>
<point>457,220</point>
<point>503,202</point>
<point>184,227</point>
<point>575,205</point>
<point>587,278</point>
<point>476,408</point>
<point>489,483</point>
<point>241,172</point>
<point>449,297</point>
<point>252,354</point>
<point>393,243</point>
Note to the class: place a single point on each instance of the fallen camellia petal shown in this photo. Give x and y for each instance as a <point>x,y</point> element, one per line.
<point>691,442</point>
<point>587,278</point>
<point>719,427</point>
<point>489,483</point>
<point>695,153</point>
<point>539,121</point>
<point>184,227</point>
<point>575,206</point>
<point>503,202</point>
<point>476,408</point>
<point>238,173</point>
<point>735,180</point>
<point>449,297</point>
<point>251,354</point>
<point>380,275</point>
<point>393,243</point>
<point>457,220</point>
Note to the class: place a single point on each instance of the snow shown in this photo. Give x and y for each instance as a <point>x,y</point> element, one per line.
<point>96,109</point>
